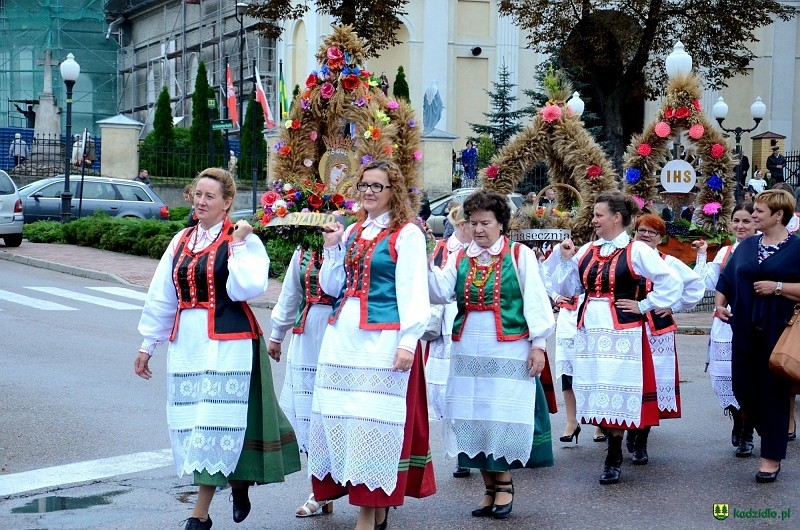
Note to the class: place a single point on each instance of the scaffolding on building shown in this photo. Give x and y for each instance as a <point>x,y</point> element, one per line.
<point>162,43</point>
<point>27,29</point>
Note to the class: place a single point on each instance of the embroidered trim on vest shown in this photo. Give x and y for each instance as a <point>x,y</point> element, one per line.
<point>606,283</point>
<point>498,290</point>
<point>309,272</point>
<point>198,287</point>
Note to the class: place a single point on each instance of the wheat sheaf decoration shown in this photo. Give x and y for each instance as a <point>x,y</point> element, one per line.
<point>558,137</point>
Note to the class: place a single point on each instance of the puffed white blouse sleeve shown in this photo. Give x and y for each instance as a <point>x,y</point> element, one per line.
<point>667,285</point>
<point>248,269</point>
<point>285,311</point>
<point>411,277</point>
<point>442,282</point>
<point>693,285</point>
<point>536,305</point>
<point>710,272</point>
<point>564,276</point>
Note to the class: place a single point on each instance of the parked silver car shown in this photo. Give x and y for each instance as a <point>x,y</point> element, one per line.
<point>439,209</point>
<point>10,212</point>
<point>115,197</point>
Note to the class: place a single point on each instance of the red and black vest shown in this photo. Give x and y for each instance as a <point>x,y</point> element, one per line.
<point>610,277</point>
<point>200,279</point>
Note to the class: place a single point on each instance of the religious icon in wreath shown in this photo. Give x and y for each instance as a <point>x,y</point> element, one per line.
<point>338,165</point>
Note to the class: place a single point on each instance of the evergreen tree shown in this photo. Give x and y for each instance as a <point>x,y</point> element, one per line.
<point>503,122</point>
<point>162,122</point>
<point>201,123</point>
<point>295,93</point>
<point>252,126</point>
<point>400,88</point>
<point>157,152</point>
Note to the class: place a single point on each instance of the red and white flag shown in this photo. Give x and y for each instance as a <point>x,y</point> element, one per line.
<point>261,97</point>
<point>233,112</point>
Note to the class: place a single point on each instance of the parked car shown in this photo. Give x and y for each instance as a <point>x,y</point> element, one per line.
<point>10,212</point>
<point>41,200</point>
<point>439,209</point>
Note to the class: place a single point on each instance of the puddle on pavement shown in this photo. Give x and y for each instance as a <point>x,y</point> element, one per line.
<point>55,503</point>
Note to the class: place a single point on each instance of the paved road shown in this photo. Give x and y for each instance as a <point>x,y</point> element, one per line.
<point>68,396</point>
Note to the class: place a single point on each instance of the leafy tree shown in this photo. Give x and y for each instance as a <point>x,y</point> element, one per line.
<point>252,127</point>
<point>503,121</point>
<point>400,88</point>
<point>618,47</point>
<point>201,122</point>
<point>486,150</point>
<point>376,21</point>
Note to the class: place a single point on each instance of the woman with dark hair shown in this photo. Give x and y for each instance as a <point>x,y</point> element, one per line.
<point>224,423</point>
<point>650,229</point>
<point>761,283</point>
<point>369,418</point>
<point>719,343</point>
<point>614,377</point>
<point>496,412</point>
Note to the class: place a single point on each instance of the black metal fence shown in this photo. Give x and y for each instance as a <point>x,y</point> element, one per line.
<point>792,169</point>
<point>46,155</point>
<point>179,165</point>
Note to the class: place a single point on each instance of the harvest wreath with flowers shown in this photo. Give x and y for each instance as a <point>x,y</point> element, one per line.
<point>681,111</point>
<point>341,120</point>
<point>556,136</point>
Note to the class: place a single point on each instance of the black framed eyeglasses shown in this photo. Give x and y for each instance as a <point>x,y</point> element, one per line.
<point>376,187</point>
<point>646,232</point>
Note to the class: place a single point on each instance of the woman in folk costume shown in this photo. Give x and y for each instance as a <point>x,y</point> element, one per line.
<point>369,420</point>
<point>650,229</point>
<point>719,344</point>
<point>304,309</point>
<point>496,412</point>
<point>613,375</point>
<point>566,331</point>
<point>224,422</point>
<point>761,282</point>
<point>437,359</point>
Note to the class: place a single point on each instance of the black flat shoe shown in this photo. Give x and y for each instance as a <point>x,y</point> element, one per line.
<point>193,523</point>
<point>745,448</point>
<point>765,477</point>
<point>485,511</point>
<point>461,472</point>
<point>502,511</point>
<point>241,504</point>
<point>792,435</point>
<point>574,434</point>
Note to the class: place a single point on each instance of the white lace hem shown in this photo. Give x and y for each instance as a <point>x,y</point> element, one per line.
<point>512,441</point>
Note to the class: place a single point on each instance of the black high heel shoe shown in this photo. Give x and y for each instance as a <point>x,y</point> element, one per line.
<point>485,511</point>
<point>574,434</point>
<point>241,504</point>
<point>501,511</point>
<point>765,477</point>
<point>385,523</point>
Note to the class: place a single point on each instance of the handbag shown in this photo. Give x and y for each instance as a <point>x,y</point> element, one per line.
<point>434,329</point>
<point>785,357</point>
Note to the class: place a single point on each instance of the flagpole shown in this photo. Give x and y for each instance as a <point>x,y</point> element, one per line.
<point>253,154</point>
<point>280,91</point>
<point>227,116</point>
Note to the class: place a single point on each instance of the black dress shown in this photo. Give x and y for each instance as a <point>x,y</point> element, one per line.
<point>757,323</point>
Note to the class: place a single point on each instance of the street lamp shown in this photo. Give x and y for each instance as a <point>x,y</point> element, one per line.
<point>70,70</point>
<point>678,63</point>
<point>575,104</point>
<point>241,9</point>
<point>757,111</point>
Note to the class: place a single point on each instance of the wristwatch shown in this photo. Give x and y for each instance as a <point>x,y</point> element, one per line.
<point>779,289</point>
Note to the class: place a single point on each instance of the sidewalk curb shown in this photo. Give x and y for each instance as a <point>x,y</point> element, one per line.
<point>66,269</point>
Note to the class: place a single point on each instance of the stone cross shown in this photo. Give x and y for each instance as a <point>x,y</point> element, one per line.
<point>48,72</point>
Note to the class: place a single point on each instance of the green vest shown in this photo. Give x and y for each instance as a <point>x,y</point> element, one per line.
<point>371,277</point>
<point>492,288</point>
<point>309,265</point>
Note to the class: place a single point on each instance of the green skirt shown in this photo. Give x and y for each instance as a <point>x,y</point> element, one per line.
<point>541,450</point>
<point>270,449</point>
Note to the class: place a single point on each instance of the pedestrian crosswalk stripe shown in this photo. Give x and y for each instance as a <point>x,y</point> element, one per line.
<point>122,291</point>
<point>33,302</point>
<point>74,295</point>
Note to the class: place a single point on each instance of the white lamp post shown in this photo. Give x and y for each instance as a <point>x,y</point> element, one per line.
<point>678,63</point>
<point>757,110</point>
<point>575,104</point>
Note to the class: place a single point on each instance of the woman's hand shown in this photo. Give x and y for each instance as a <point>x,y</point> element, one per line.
<point>560,300</point>
<point>628,306</point>
<point>567,248</point>
<point>241,231</point>
<point>663,312</point>
<point>403,359</point>
<point>274,350</point>
<point>700,246</point>
<point>332,233</point>
<point>536,361</point>
<point>765,288</point>
<point>723,313</point>
<point>141,365</point>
